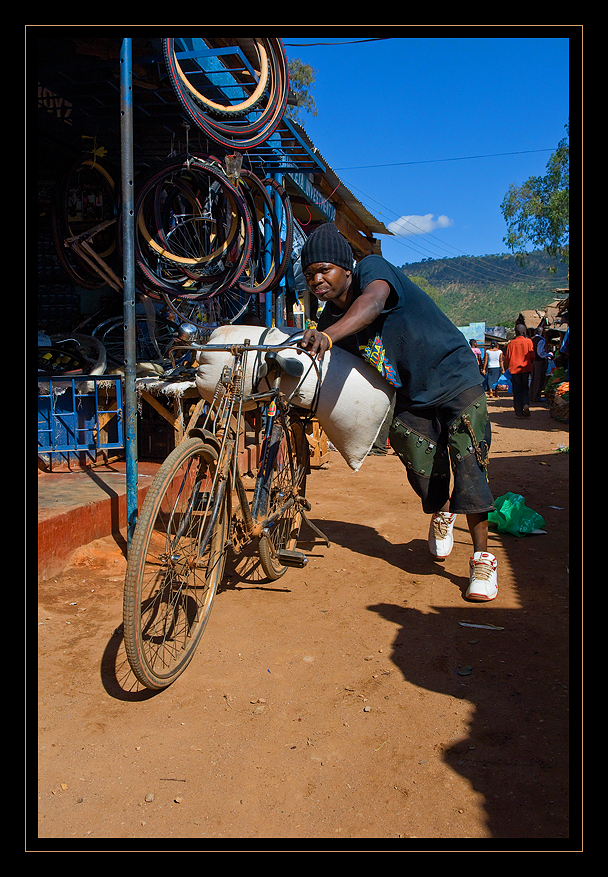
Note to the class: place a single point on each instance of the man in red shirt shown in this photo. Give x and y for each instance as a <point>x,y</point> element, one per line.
<point>518,359</point>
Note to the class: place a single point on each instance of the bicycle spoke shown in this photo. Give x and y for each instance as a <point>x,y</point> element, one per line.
<point>175,564</point>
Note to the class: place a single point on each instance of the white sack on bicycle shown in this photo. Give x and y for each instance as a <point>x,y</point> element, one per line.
<point>353,400</point>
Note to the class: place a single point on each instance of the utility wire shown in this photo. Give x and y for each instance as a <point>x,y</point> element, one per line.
<point>342,42</point>
<point>495,270</point>
<point>437,160</point>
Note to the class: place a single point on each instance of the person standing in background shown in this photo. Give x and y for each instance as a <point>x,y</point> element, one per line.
<point>539,365</point>
<point>518,359</point>
<point>476,351</point>
<point>493,368</point>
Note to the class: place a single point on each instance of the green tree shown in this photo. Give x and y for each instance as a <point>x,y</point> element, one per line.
<point>538,211</point>
<point>301,80</point>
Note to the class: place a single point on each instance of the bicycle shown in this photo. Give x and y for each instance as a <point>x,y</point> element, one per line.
<point>197,509</point>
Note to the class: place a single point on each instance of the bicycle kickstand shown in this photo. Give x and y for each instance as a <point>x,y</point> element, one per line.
<point>307,508</point>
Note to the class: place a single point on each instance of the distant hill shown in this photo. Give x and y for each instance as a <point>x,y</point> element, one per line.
<point>490,289</point>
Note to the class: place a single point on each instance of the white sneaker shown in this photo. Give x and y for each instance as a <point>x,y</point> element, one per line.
<point>483,584</point>
<point>441,540</point>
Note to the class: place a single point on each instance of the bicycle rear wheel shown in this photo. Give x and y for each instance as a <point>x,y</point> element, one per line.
<point>282,481</point>
<point>176,563</point>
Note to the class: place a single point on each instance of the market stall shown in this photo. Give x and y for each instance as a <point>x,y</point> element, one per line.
<point>181,197</point>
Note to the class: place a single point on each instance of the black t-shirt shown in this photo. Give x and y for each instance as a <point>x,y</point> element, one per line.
<point>412,343</point>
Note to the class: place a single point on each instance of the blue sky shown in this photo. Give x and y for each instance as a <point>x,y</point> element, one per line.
<point>437,128</point>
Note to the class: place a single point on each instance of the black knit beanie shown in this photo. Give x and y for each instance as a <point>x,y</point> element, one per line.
<point>326,244</point>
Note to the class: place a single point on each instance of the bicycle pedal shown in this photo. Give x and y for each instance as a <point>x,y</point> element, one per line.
<point>292,558</point>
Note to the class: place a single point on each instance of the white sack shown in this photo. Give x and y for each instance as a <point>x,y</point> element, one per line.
<point>353,400</point>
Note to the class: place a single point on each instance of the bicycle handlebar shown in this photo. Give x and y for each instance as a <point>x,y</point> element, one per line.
<point>240,346</point>
<point>243,347</point>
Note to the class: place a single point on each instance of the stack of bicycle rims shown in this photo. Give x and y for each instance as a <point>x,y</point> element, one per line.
<point>201,236</point>
<point>193,229</point>
<point>235,93</point>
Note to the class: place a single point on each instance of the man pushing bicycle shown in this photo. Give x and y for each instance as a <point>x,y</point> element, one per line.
<point>441,420</point>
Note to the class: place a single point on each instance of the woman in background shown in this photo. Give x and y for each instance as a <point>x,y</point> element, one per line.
<point>493,368</point>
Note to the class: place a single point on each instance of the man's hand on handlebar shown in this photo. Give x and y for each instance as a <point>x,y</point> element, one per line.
<point>316,343</point>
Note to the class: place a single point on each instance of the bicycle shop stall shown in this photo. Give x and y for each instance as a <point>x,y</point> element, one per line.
<point>174,194</point>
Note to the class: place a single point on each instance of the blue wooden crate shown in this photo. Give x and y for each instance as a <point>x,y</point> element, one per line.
<point>73,411</point>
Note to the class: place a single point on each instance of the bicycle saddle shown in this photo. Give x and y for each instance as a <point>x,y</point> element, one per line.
<point>292,367</point>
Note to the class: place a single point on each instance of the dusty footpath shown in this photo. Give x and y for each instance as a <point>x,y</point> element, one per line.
<point>344,707</point>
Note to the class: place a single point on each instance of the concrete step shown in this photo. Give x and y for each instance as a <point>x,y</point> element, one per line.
<point>79,505</point>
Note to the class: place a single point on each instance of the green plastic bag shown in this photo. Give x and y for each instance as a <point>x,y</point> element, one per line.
<point>512,515</point>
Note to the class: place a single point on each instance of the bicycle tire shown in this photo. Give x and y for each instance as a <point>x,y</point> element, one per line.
<point>176,562</point>
<point>257,278</point>
<point>282,474</point>
<point>243,106</point>
<point>66,222</point>
<point>200,274</point>
<point>282,251</point>
<point>238,134</point>
<point>164,248</point>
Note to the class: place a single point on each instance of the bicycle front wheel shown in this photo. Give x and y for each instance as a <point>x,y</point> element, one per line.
<point>280,491</point>
<point>176,562</point>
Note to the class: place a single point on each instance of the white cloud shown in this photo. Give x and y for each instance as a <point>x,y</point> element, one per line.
<point>406,226</point>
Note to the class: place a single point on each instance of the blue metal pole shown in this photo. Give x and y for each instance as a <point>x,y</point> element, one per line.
<point>268,308</point>
<point>128,249</point>
<point>280,292</point>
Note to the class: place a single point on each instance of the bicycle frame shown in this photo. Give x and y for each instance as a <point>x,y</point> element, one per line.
<point>222,427</point>
<point>80,244</point>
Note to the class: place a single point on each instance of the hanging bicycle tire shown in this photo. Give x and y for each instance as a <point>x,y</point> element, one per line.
<point>194,233</point>
<point>246,93</point>
<point>258,275</point>
<point>86,197</point>
<point>245,123</point>
<point>282,249</point>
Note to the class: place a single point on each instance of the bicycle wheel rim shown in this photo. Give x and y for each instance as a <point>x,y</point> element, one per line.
<point>205,313</point>
<point>241,135</point>
<point>175,565</point>
<point>153,188</point>
<point>283,474</point>
<point>202,274</point>
<point>248,104</point>
<point>64,226</point>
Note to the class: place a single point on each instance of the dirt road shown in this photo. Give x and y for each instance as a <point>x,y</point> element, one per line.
<point>344,707</point>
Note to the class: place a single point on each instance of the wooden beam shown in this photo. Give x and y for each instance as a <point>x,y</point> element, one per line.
<point>350,224</point>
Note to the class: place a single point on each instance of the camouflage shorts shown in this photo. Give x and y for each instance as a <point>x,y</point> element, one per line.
<point>451,439</point>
